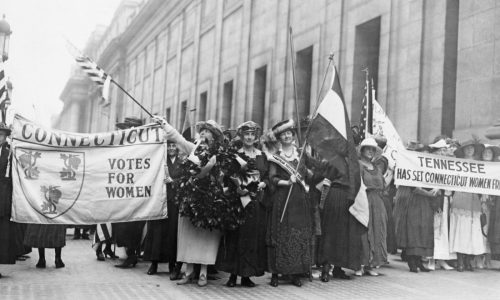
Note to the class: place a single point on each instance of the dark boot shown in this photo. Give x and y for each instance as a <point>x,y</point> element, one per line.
<point>109,252</point>
<point>460,262</point>
<point>339,273</point>
<point>98,253</point>
<point>153,269</point>
<point>232,281</point>
<point>274,280</point>
<point>130,261</point>
<point>468,262</point>
<point>41,264</point>
<point>59,263</point>
<point>420,265</point>
<point>246,282</point>
<point>85,234</point>
<point>324,273</point>
<point>412,264</point>
<point>175,272</point>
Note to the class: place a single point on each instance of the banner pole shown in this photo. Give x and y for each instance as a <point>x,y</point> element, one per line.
<point>130,96</point>
<point>330,58</point>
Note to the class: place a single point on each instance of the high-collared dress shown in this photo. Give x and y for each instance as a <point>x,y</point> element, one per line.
<point>243,251</point>
<point>160,243</point>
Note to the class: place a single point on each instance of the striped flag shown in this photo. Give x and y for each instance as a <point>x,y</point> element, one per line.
<point>331,135</point>
<point>366,120</point>
<point>3,83</point>
<point>103,233</point>
<point>96,74</point>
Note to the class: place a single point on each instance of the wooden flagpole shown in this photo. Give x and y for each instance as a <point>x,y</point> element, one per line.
<point>290,35</point>
<point>330,58</point>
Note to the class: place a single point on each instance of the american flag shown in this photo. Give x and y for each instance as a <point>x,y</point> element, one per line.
<point>3,83</point>
<point>96,74</point>
<point>366,120</point>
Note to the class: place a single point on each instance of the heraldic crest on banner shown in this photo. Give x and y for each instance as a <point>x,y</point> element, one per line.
<point>49,192</point>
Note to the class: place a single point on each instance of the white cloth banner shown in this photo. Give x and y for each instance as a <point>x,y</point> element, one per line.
<point>73,178</point>
<point>433,171</point>
<point>383,126</point>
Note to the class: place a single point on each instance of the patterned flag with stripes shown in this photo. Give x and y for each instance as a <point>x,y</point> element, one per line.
<point>103,233</point>
<point>366,120</point>
<point>96,74</point>
<point>3,83</point>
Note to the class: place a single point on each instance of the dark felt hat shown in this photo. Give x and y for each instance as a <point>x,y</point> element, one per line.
<point>5,128</point>
<point>129,122</point>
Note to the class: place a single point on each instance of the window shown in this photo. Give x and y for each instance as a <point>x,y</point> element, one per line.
<point>183,113</point>
<point>202,113</point>
<point>227,104</point>
<point>366,53</point>
<point>303,73</point>
<point>259,95</point>
<point>167,115</point>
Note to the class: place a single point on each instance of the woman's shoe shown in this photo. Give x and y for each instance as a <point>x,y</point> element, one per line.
<point>153,269</point>
<point>186,279</point>
<point>130,262</point>
<point>108,252</point>
<point>444,265</point>
<point>232,281</point>
<point>340,274</point>
<point>359,272</point>
<point>203,280</point>
<point>371,272</point>
<point>412,265</point>
<point>100,256</point>
<point>468,262</point>
<point>59,263</point>
<point>246,282</point>
<point>41,264</point>
<point>274,281</point>
<point>175,273</point>
<point>296,281</point>
<point>431,265</point>
<point>324,276</point>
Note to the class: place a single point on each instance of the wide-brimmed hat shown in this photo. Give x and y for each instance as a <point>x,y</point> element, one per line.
<point>5,128</point>
<point>478,148</point>
<point>248,126</point>
<point>129,122</point>
<point>415,146</point>
<point>286,125</point>
<point>495,149</point>
<point>370,142</point>
<point>213,127</point>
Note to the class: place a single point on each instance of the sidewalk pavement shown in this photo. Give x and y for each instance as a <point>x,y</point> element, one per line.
<point>88,279</point>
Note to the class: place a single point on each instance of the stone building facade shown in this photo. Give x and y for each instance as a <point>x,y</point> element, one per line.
<point>435,63</point>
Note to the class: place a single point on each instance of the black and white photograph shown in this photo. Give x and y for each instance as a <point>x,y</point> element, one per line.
<point>249,149</point>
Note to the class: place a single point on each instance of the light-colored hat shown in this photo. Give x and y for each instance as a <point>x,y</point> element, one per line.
<point>370,142</point>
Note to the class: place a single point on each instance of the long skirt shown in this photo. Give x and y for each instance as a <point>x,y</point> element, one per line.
<point>161,238</point>
<point>441,233</point>
<point>465,225</point>
<point>196,245</point>
<point>340,240</point>
<point>45,236</point>
<point>289,242</point>
<point>9,246</point>
<point>374,243</point>
<point>128,234</point>
<point>494,228</point>
<point>243,251</point>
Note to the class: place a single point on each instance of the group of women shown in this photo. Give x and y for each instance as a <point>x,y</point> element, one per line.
<point>259,203</point>
<point>445,227</point>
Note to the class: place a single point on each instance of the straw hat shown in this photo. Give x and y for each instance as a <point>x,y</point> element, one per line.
<point>478,148</point>
<point>370,142</point>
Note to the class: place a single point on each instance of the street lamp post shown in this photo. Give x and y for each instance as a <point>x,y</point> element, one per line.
<point>5,33</point>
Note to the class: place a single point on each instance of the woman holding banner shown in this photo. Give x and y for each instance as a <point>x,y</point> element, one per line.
<point>9,247</point>
<point>466,237</point>
<point>289,230</point>
<point>374,242</point>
